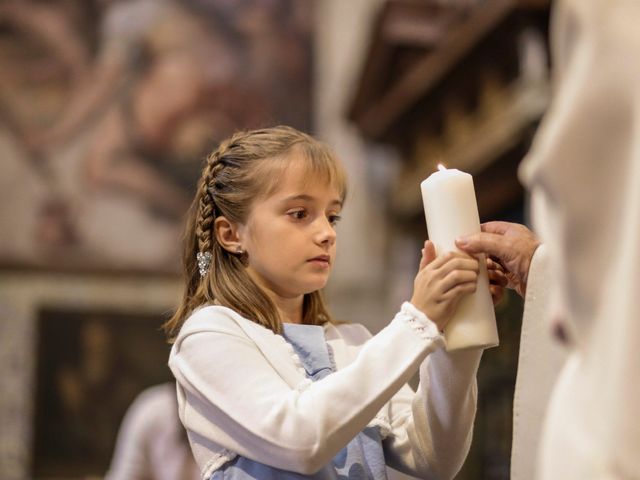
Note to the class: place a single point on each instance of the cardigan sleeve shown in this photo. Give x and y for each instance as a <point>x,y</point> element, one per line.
<point>431,429</point>
<point>235,397</point>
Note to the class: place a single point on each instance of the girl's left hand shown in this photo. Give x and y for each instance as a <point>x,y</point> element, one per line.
<point>497,280</point>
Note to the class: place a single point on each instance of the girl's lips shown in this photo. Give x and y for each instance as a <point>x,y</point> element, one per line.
<point>321,259</point>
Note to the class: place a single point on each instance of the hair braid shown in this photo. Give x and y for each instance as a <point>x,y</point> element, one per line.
<point>206,205</point>
<point>205,213</point>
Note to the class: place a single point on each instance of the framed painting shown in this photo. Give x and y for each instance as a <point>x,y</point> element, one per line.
<point>90,367</point>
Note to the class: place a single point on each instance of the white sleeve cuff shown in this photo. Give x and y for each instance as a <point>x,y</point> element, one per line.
<point>415,318</point>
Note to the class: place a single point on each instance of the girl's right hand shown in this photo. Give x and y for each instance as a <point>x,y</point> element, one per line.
<point>442,282</point>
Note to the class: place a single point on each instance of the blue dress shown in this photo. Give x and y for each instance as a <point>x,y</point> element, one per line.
<point>361,459</point>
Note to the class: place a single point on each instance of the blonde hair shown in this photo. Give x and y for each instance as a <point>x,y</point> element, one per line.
<point>244,169</point>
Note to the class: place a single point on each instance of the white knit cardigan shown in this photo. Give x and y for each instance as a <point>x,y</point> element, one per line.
<point>242,391</point>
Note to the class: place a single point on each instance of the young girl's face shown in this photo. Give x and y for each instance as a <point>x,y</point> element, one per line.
<point>290,236</point>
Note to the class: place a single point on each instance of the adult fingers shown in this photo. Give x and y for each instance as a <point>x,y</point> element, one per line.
<point>497,277</point>
<point>496,293</point>
<point>490,243</point>
<point>494,264</point>
<point>496,227</point>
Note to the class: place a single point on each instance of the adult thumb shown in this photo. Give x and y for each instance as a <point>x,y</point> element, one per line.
<point>489,243</point>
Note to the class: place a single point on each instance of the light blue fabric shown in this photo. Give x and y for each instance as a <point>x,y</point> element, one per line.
<point>361,459</point>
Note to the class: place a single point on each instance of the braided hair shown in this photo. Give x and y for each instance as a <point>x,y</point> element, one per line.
<point>242,169</point>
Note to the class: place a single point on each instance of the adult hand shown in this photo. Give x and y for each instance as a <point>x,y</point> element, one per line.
<point>442,282</point>
<point>497,280</point>
<point>510,244</point>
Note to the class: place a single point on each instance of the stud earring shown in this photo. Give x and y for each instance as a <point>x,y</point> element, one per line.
<point>243,256</point>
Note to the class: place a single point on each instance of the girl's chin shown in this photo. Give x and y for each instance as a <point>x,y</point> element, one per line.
<point>303,286</point>
<point>315,286</point>
<point>311,290</point>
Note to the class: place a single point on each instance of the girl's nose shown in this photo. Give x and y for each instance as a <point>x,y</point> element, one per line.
<point>326,234</point>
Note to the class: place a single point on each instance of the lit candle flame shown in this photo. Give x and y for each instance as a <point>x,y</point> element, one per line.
<point>441,167</point>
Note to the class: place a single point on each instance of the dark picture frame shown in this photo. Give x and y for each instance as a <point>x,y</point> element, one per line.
<point>90,366</point>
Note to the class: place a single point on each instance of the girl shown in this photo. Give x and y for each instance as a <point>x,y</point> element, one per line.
<point>269,385</point>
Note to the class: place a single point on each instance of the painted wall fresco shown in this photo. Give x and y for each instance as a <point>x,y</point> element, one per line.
<point>108,107</point>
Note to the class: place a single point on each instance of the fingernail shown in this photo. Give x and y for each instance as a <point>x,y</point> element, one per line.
<point>461,241</point>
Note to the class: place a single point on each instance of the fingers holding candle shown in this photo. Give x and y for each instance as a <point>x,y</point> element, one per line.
<point>428,254</point>
<point>458,271</point>
<point>512,245</point>
<point>442,283</point>
<point>497,280</point>
<point>455,294</point>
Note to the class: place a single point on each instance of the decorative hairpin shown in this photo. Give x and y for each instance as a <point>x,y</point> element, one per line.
<point>204,262</point>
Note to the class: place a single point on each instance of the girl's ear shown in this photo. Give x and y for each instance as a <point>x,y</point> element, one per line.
<point>226,233</point>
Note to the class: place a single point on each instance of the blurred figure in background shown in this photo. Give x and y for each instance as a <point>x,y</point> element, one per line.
<point>152,443</point>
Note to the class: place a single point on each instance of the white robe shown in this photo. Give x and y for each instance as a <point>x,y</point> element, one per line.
<point>584,174</point>
<point>540,360</point>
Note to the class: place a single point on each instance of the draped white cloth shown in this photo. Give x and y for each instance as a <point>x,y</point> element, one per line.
<point>540,360</point>
<point>584,174</point>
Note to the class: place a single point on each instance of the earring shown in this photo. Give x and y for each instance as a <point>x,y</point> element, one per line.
<point>242,255</point>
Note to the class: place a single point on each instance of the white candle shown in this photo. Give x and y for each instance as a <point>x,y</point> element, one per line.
<point>451,211</point>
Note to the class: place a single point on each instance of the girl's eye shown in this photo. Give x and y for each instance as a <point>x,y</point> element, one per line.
<point>299,214</point>
<point>333,219</point>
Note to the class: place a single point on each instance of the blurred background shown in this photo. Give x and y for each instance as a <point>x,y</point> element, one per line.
<point>107,109</point>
